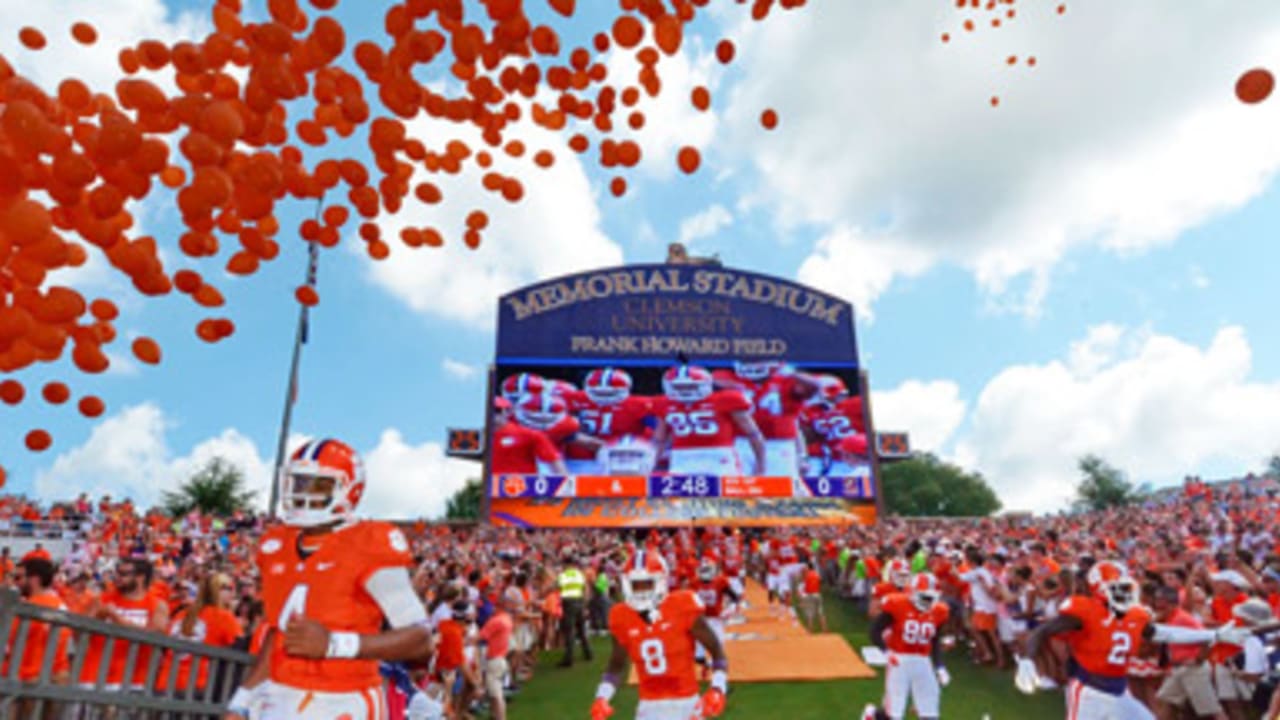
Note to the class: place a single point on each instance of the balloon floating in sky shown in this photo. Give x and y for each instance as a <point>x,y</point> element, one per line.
<point>1255,86</point>
<point>231,144</point>
<point>994,14</point>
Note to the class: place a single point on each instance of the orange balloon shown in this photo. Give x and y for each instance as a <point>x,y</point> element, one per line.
<point>307,295</point>
<point>11,392</point>
<point>146,350</point>
<point>618,186</point>
<point>1255,86</point>
<point>39,440</point>
<point>92,406</point>
<point>84,33</point>
<point>769,119</point>
<point>701,98</point>
<point>55,393</point>
<point>32,38</point>
<point>725,51</point>
<point>689,159</point>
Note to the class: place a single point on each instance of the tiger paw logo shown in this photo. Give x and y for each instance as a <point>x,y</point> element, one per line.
<point>513,485</point>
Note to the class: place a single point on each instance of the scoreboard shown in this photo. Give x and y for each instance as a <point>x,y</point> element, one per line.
<point>679,486</point>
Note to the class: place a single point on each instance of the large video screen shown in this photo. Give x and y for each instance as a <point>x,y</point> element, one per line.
<point>660,395</point>
<point>746,429</point>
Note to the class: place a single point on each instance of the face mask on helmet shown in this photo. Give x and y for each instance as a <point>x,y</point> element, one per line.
<point>1121,595</point>
<point>643,590</point>
<point>540,412</point>
<point>608,386</point>
<point>691,385</point>
<point>755,371</point>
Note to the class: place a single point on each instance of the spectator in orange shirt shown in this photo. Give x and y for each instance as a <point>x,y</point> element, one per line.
<point>210,621</point>
<point>34,578</point>
<point>450,653</point>
<point>811,598</point>
<point>129,603</point>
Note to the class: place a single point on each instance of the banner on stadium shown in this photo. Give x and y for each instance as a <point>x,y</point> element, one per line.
<point>638,313</point>
<point>678,512</point>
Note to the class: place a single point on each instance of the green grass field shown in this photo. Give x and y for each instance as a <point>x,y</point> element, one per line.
<point>566,694</point>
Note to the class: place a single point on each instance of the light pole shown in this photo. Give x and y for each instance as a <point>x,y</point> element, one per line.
<point>291,390</point>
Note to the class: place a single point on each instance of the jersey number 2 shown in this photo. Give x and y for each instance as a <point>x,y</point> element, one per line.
<point>654,656</point>
<point>1121,643</point>
<point>296,604</point>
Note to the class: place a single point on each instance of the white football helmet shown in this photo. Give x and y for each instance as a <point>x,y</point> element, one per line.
<point>1110,581</point>
<point>521,384</point>
<point>898,572</point>
<point>608,386</point>
<point>924,591</point>
<point>644,583</point>
<point>321,483</point>
<point>541,411</point>
<point>687,383</point>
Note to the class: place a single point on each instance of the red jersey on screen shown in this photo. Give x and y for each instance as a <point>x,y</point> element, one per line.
<point>563,431</point>
<point>833,424</point>
<point>712,594</point>
<point>328,586</point>
<point>707,423</point>
<point>611,423</point>
<point>1105,643</point>
<point>662,652</point>
<point>778,405</point>
<point>913,629</point>
<point>517,449</point>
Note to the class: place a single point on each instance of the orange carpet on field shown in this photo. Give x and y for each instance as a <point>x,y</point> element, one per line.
<point>772,647</point>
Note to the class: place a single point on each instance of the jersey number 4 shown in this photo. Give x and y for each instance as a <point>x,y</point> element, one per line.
<point>296,604</point>
<point>654,656</point>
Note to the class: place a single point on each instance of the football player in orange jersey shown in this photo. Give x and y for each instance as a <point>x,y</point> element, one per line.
<point>1102,630</point>
<point>907,627</point>
<point>658,631</point>
<point>897,574</point>
<point>329,583</point>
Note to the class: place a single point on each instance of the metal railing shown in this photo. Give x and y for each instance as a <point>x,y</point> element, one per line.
<point>44,698</point>
<point>40,529</point>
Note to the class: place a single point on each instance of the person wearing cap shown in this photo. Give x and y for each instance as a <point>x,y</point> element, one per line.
<point>1229,588</point>
<point>1238,668</point>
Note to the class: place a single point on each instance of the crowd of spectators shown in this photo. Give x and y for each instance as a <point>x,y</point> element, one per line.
<point>1199,555</point>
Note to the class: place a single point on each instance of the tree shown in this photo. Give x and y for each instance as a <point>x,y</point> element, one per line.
<point>1103,486</point>
<point>465,503</point>
<point>1273,466</point>
<point>216,489</point>
<point>924,486</point>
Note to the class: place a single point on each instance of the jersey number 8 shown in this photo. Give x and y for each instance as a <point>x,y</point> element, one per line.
<point>654,657</point>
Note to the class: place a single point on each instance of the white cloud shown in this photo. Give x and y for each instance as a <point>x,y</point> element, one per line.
<point>1153,405</point>
<point>120,23</point>
<point>705,224</point>
<point>127,455</point>
<point>1120,137</point>
<point>554,230</point>
<point>930,411</point>
<point>411,481</point>
<point>1199,280</point>
<point>460,370</point>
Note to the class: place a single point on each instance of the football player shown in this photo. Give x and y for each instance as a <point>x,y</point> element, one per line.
<point>548,412</point>
<point>699,423</point>
<point>1102,631</point>
<point>330,584</point>
<point>833,417</point>
<point>658,631</point>
<point>519,450</point>
<point>907,628</point>
<point>778,393</point>
<point>610,413</point>
<point>897,575</point>
<point>712,589</point>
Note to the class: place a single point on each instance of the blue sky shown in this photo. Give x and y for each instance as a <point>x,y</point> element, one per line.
<point>1087,268</point>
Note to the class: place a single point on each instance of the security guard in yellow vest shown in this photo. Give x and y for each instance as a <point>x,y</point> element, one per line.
<point>573,623</point>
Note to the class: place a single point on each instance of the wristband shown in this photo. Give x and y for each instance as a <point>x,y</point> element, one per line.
<point>720,664</point>
<point>720,681</point>
<point>240,701</point>
<point>343,645</point>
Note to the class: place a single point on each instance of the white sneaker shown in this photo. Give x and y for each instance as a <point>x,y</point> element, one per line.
<point>1047,683</point>
<point>869,712</point>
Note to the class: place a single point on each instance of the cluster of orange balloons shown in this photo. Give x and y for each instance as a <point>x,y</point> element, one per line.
<point>997,13</point>
<point>74,157</point>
